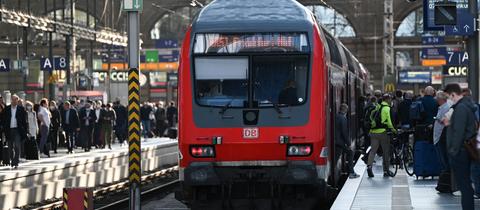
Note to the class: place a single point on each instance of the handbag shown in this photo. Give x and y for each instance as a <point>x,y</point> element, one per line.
<point>471,147</point>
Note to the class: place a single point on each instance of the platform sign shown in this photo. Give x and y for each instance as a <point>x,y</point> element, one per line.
<point>465,24</point>
<point>414,77</point>
<point>433,40</point>
<point>456,71</point>
<point>446,13</point>
<point>166,43</point>
<point>458,58</point>
<point>428,16</point>
<point>46,64</point>
<point>434,53</point>
<point>4,65</point>
<point>132,5</point>
<point>61,63</point>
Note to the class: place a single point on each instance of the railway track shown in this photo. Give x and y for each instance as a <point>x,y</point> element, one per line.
<point>116,195</point>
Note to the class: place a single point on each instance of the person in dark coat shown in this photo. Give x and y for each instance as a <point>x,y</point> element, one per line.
<point>161,118</point>
<point>55,126</point>
<point>108,121</point>
<point>121,121</point>
<point>430,106</point>
<point>71,125</point>
<point>342,140</point>
<point>16,128</point>
<point>172,114</point>
<point>145,111</point>
<point>98,137</point>
<point>404,111</point>
<point>87,123</point>
<point>461,127</point>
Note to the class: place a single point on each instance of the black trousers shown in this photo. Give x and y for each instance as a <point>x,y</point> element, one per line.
<point>86,135</point>
<point>53,138</point>
<point>70,138</point>
<point>339,150</point>
<point>460,165</point>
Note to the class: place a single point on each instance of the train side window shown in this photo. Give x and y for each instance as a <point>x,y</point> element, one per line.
<point>335,56</point>
<point>349,60</point>
<point>221,81</point>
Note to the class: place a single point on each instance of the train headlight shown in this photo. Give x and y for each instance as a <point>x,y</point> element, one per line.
<point>299,150</point>
<point>202,151</point>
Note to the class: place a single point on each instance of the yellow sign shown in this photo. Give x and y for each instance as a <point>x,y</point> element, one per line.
<point>389,88</point>
<point>134,150</point>
<point>434,62</point>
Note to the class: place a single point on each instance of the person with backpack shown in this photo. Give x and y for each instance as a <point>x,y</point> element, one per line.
<point>371,105</point>
<point>404,111</point>
<point>462,127</point>
<point>381,124</point>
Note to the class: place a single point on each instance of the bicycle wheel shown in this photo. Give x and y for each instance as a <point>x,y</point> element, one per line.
<point>395,161</point>
<point>408,160</point>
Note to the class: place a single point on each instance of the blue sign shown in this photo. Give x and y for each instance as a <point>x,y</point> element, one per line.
<point>433,40</point>
<point>61,63</point>
<point>4,64</point>
<point>166,43</point>
<point>415,77</point>
<point>465,24</point>
<point>428,16</point>
<point>458,58</point>
<point>46,64</point>
<point>434,53</point>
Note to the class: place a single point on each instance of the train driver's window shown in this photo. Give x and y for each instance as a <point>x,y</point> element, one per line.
<point>280,80</point>
<point>221,81</point>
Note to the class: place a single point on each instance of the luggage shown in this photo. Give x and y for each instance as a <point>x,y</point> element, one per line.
<point>426,161</point>
<point>31,149</point>
<point>416,110</point>
<point>444,184</point>
<point>5,155</point>
<point>172,133</point>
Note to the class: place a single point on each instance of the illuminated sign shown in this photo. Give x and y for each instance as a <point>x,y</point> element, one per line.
<point>415,77</point>
<point>116,76</point>
<point>455,71</point>
<point>265,42</point>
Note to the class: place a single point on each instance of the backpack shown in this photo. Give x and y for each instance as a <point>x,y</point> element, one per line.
<point>367,124</point>
<point>376,117</point>
<point>416,110</point>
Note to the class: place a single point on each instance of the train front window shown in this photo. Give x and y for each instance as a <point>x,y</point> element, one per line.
<point>280,80</point>
<point>221,81</point>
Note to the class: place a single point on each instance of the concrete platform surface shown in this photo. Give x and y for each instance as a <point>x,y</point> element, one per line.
<point>399,193</point>
<point>38,180</point>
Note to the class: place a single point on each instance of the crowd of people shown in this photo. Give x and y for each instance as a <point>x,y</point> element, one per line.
<point>32,130</point>
<point>447,119</point>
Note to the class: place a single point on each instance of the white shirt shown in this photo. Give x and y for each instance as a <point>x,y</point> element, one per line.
<point>97,113</point>
<point>44,115</point>
<point>13,120</point>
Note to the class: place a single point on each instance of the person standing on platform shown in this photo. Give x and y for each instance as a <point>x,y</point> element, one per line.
<point>461,128</point>
<point>56,123</point>
<point>16,128</point>
<point>108,122</point>
<point>87,123</point>
<point>145,111</point>
<point>371,105</point>
<point>32,121</point>
<point>380,137</point>
<point>98,137</point>
<point>71,125</point>
<point>44,116</point>
<point>172,114</point>
<point>121,122</point>
<point>342,140</point>
<point>160,117</point>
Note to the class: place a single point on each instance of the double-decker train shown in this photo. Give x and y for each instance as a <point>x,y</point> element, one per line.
<point>260,83</point>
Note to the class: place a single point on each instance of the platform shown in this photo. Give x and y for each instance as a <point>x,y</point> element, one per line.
<point>399,193</point>
<point>38,180</point>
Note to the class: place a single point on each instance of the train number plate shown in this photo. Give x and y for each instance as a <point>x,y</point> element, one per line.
<point>250,133</point>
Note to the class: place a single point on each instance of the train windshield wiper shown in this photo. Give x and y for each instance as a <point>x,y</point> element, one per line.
<point>225,108</point>
<point>277,108</point>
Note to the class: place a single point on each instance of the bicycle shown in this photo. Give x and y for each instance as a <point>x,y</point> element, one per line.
<point>401,155</point>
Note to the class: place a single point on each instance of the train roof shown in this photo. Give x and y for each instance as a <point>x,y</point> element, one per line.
<point>253,16</point>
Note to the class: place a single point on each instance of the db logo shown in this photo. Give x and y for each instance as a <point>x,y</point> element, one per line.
<point>455,71</point>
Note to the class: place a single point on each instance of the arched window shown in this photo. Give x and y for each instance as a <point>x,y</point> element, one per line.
<point>412,25</point>
<point>336,23</point>
<point>174,23</point>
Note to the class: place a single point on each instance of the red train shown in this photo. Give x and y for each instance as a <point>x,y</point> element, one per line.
<point>260,83</point>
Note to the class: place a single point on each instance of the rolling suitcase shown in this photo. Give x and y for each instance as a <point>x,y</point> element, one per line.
<point>426,161</point>
<point>5,155</point>
<point>31,149</point>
